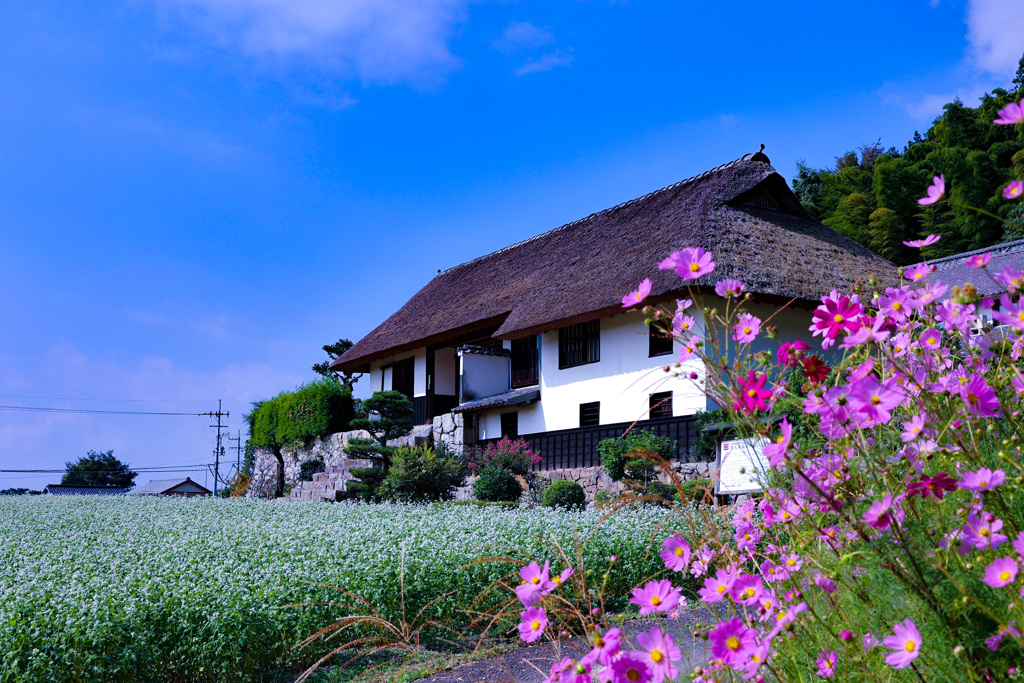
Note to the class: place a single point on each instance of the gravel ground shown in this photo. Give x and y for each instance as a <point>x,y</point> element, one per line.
<point>532,664</point>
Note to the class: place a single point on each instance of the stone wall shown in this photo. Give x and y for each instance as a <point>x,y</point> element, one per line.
<point>448,429</point>
<point>328,449</point>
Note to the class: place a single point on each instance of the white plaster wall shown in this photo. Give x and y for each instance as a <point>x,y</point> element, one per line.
<point>380,375</point>
<point>446,372</point>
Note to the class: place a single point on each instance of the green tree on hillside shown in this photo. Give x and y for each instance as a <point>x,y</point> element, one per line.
<point>99,468</point>
<point>871,195</point>
<point>334,352</point>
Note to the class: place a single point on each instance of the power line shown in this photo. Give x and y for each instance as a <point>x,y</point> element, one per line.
<point>39,409</point>
<point>112,400</point>
<point>134,469</point>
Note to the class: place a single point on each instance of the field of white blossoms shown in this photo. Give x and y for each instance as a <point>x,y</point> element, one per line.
<point>163,589</point>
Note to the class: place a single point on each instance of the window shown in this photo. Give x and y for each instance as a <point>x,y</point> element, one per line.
<point>659,343</point>
<point>661,404</point>
<point>510,425</point>
<point>579,344</point>
<point>524,362</point>
<point>590,414</point>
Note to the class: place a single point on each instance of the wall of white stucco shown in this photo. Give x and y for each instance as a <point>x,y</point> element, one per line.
<point>380,374</point>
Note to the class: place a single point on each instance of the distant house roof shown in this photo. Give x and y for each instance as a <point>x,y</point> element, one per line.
<point>69,490</point>
<point>742,211</point>
<point>169,487</point>
<point>953,270</point>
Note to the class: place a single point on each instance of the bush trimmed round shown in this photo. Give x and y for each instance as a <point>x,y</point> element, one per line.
<point>497,486</point>
<point>565,494</point>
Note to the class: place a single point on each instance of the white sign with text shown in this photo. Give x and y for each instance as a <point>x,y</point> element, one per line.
<point>739,461</point>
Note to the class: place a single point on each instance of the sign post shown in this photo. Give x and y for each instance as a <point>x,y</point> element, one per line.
<point>737,464</point>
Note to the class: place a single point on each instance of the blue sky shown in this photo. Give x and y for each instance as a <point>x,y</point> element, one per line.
<point>195,195</point>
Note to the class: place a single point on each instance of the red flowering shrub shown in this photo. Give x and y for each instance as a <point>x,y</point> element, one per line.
<point>514,456</point>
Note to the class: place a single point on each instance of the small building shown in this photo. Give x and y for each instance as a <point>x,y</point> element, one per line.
<point>171,487</point>
<point>953,271</point>
<point>76,490</point>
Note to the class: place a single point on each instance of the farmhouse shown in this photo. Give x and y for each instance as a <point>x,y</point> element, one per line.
<point>532,340</point>
<point>171,487</point>
<point>82,490</point>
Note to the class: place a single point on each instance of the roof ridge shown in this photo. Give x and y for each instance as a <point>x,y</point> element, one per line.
<point>566,226</point>
<point>996,249</point>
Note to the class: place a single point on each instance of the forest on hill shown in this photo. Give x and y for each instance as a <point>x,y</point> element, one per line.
<point>871,194</point>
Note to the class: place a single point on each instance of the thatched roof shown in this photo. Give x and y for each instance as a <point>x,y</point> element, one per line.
<point>953,270</point>
<point>580,271</point>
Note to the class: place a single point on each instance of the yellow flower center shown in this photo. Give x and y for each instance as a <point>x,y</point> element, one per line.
<point>838,318</point>
<point>679,551</point>
<point>749,593</point>
<point>755,658</point>
<point>785,515</point>
<point>746,330</point>
<point>910,647</point>
<point>751,393</point>
<point>535,625</point>
<point>694,267</point>
<point>875,400</point>
<point>791,562</point>
<point>780,439</point>
<point>897,306</point>
<point>655,600</point>
<point>535,580</point>
<point>721,589</point>
<point>598,641</point>
<point>983,531</point>
<point>1004,576</point>
<point>556,580</point>
<point>781,615</point>
<point>982,485</point>
<point>656,656</point>
<point>632,675</point>
<point>733,643</point>
<point>767,605</point>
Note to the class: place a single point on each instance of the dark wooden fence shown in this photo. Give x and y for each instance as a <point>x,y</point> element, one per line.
<point>573,448</point>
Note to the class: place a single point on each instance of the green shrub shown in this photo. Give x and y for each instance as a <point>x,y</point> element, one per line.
<point>603,496</point>
<point>311,467</point>
<point>698,491</point>
<point>616,452</point>
<point>420,474</point>
<point>704,447</point>
<point>507,454</point>
<point>497,485</point>
<point>565,494</point>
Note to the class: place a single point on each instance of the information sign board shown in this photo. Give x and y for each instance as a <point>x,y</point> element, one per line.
<point>738,461</point>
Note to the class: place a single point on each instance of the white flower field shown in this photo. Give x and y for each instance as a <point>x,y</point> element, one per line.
<point>165,589</point>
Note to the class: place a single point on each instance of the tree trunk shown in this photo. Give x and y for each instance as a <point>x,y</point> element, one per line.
<point>279,487</point>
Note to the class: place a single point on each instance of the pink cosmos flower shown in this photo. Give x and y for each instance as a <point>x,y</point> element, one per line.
<point>1001,572</point>
<point>935,191</point>
<point>752,395</point>
<point>1010,312</point>
<point>826,663</point>
<point>682,323</point>
<point>655,596</point>
<point>978,260</point>
<point>905,643</point>
<point>1012,279</point>
<point>747,590</point>
<point>729,288</point>
<point>732,641</point>
<point>717,587</point>
<point>568,670</point>
<point>535,584</point>
<point>870,331</point>
<point>690,263</point>
<point>630,667</point>
<point>535,620</point>
<point>979,398</point>
<point>1018,545</point>
<point>836,314</point>
<point>982,480</point>
<point>635,297</point>
<point>1013,190</point>
<point>815,370</point>
<point>790,353</point>
<point>659,652</point>
<point>913,428</point>
<point>1008,630</point>
<point>776,451</point>
<point>878,515</point>
<point>689,349</point>
<point>917,273</point>
<point>981,532</point>
<point>746,329</point>
<point>1010,114</point>
<point>926,242</point>
<point>675,553</point>
<point>606,646</point>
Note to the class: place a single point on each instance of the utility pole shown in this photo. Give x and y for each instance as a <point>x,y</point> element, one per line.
<point>218,450</point>
<point>238,454</point>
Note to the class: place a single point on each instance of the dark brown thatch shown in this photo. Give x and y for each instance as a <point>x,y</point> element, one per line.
<point>580,271</point>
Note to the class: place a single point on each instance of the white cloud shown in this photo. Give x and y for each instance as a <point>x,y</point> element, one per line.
<point>996,35</point>
<point>374,40</point>
<point>522,34</point>
<point>545,63</point>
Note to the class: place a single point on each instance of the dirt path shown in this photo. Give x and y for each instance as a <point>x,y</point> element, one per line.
<point>532,664</point>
